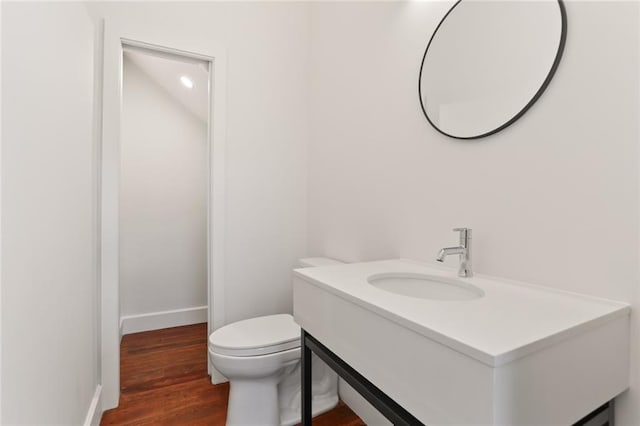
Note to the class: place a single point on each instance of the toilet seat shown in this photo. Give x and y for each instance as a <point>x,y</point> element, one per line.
<point>256,336</point>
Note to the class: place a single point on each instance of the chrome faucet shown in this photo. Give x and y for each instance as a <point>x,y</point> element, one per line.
<point>464,250</point>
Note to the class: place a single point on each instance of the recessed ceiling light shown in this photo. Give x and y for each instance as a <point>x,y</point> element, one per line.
<point>186,82</point>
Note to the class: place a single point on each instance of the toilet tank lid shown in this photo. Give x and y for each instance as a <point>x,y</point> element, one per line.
<point>308,262</point>
<point>256,336</point>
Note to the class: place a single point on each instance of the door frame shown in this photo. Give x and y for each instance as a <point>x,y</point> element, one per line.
<point>116,37</point>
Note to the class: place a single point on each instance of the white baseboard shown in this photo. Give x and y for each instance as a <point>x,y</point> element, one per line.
<point>361,406</point>
<point>94,415</point>
<point>164,319</point>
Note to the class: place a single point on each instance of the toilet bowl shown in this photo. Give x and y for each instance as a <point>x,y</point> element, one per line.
<point>261,358</point>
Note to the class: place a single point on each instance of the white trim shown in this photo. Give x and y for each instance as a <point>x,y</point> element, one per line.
<point>94,415</point>
<point>0,230</point>
<point>217,133</point>
<point>151,48</point>
<point>163,319</point>
<point>115,34</point>
<point>1,344</point>
<point>97,166</point>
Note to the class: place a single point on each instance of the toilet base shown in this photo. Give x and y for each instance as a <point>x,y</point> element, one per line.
<point>324,385</point>
<point>253,402</point>
<point>320,404</point>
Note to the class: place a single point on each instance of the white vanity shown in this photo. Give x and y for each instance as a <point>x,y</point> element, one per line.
<point>479,350</point>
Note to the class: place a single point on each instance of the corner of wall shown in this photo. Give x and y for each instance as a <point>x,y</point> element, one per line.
<point>94,413</point>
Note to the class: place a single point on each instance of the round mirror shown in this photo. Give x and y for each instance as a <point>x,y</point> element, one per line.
<point>488,62</point>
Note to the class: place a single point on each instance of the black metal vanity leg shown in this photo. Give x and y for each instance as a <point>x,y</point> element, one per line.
<point>612,413</point>
<point>306,381</point>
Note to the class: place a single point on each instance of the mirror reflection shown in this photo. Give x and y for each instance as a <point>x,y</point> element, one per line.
<point>488,62</point>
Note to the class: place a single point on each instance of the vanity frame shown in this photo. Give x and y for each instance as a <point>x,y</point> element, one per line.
<point>380,400</point>
<point>415,372</point>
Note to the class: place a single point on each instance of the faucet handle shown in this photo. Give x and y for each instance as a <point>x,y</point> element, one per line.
<point>463,230</point>
<point>465,235</point>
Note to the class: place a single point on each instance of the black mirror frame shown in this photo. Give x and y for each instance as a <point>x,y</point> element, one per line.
<point>536,96</point>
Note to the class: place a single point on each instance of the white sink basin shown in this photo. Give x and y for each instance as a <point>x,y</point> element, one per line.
<point>425,286</point>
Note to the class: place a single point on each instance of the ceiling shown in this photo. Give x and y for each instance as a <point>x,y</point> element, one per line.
<point>166,69</point>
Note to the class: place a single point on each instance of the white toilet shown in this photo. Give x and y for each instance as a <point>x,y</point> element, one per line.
<point>261,358</point>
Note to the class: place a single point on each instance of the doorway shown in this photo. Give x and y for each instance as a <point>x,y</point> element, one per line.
<point>116,318</point>
<point>163,190</point>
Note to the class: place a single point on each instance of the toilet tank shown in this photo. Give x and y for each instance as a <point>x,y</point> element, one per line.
<point>309,262</point>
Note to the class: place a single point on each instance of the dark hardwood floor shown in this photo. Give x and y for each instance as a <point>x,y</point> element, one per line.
<point>164,381</point>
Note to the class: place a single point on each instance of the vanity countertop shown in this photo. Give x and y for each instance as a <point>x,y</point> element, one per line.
<point>511,320</point>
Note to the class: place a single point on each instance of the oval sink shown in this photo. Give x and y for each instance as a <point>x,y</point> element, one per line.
<point>425,286</point>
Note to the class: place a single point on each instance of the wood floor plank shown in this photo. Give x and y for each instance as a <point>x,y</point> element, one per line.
<point>164,381</point>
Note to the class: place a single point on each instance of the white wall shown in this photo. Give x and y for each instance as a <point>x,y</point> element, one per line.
<point>267,133</point>
<point>163,200</point>
<point>49,351</point>
<point>552,200</point>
